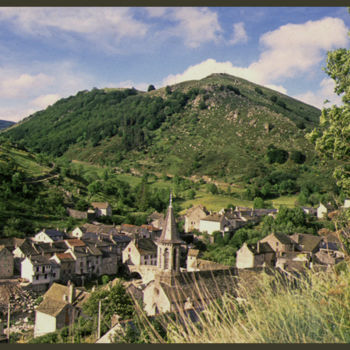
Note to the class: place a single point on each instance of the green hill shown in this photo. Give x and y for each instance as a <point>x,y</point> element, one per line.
<point>217,126</point>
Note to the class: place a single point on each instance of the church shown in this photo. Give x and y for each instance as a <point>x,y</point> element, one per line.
<point>173,288</point>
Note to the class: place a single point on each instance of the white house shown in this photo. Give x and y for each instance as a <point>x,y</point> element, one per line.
<point>323,210</point>
<point>39,270</point>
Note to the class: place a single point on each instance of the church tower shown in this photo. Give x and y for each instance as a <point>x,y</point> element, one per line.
<point>169,244</point>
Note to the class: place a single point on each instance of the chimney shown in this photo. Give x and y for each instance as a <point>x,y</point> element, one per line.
<point>258,247</point>
<point>71,295</point>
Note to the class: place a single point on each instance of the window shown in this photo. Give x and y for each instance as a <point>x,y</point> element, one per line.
<point>36,277</point>
<point>37,269</point>
<point>45,275</point>
<point>54,274</point>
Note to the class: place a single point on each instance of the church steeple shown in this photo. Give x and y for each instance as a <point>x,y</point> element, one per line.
<point>170,233</point>
<point>169,243</point>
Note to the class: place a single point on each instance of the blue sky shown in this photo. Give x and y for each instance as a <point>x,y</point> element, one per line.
<point>50,53</point>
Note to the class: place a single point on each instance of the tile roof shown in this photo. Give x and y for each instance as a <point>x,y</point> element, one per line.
<point>74,242</point>
<point>65,257</point>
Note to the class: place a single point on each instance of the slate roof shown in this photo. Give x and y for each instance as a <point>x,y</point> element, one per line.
<point>146,246</point>
<point>213,217</point>
<point>306,242</point>
<point>53,302</point>
<point>199,285</point>
<point>191,210</point>
<point>283,238</point>
<point>40,260</point>
<point>28,248</point>
<point>53,234</point>
<point>263,248</point>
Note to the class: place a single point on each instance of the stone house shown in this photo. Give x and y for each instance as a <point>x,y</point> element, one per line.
<point>102,208</point>
<point>193,217</point>
<point>142,251</point>
<point>255,255</point>
<point>67,266</point>
<point>39,271</point>
<point>6,262</point>
<point>156,220</point>
<point>214,222</point>
<point>61,305</point>
<point>192,258</point>
<point>49,236</point>
<point>279,242</point>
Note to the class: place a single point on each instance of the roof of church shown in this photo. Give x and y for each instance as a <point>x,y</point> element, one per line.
<point>170,233</point>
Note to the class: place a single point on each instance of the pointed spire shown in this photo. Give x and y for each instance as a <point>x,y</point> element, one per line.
<point>170,233</point>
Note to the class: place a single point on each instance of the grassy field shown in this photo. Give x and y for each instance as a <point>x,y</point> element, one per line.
<point>27,161</point>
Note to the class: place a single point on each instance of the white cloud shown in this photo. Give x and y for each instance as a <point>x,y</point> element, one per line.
<point>239,34</point>
<point>15,85</point>
<point>290,50</point>
<point>318,97</point>
<point>128,84</point>
<point>43,101</point>
<point>196,25</point>
<point>24,90</point>
<point>295,48</point>
<point>99,24</point>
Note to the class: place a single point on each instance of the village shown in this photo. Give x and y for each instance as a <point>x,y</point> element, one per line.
<point>55,267</point>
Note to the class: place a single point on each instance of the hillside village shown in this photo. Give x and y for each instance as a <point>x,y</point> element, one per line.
<point>160,265</point>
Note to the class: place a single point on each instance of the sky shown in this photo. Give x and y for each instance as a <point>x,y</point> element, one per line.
<point>54,52</point>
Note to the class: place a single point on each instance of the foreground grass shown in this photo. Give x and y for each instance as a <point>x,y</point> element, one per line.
<point>310,309</point>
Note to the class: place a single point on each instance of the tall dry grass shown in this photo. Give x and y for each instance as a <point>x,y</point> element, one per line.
<point>314,308</point>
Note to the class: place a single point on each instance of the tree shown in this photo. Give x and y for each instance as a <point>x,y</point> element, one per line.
<point>151,88</point>
<point>114,301</point>
<point>332,139</point>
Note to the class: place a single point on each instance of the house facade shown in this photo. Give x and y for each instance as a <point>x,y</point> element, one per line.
<point>61,305</point>
<point>193,217</point>
<point>39,271</point>
<point>142,251</point>
<point>6,262</point>
<point>255,255</point>
<point>279,242</point>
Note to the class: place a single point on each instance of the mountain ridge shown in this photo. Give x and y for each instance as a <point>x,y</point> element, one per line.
<point>192,127</point>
